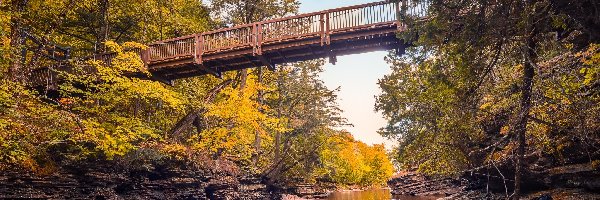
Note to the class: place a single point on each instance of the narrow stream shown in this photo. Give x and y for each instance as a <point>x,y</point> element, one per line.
<point>374,194</point>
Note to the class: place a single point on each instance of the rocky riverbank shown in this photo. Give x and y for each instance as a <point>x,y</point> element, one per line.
<point>575,181</point>
<point>111,180</point>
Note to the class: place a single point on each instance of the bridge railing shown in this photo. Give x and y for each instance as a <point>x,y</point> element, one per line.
<point>311,25</point>
<point>317,24</point>
<point>230,38</point>
<point>172,48</point>
<point>362,15</point>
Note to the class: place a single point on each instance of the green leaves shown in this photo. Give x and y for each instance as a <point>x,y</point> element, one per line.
<point>106,97</point>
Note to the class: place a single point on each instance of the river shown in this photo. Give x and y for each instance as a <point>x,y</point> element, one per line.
<point>374,194</point>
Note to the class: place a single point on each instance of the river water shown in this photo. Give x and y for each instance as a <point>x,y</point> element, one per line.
<point>374,194</point>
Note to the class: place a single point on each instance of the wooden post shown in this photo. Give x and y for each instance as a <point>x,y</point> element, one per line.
<point>198,48</point>
<point>254,39</point>
<point>259,38</point>
<point>145,54</point>
<point>322,29</point>
<point>327,27</point>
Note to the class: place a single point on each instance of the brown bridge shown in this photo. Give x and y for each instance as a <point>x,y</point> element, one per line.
<point>324,34</point>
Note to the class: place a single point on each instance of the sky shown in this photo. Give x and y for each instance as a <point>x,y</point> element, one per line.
<point>357,76</point>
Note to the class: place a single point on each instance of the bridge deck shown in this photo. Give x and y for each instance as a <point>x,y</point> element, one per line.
<point>341,31</point>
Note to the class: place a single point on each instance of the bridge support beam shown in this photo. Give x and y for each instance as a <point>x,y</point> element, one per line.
<point>331,54</point>
<point>266,62</point>
<point>332,58</point>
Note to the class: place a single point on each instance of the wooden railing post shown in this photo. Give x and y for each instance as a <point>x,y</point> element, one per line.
<point>259,38</point>
<point>254,39</point>
<point>198,48</point>
<point>327,28</point>
<point>322,29</point>
<point>145,54</point>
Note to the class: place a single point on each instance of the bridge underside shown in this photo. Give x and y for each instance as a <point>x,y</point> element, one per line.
<point>368,39</point>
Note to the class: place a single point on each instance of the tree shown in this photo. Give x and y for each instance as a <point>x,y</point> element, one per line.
<point>459,87</point>
<point>237,12</point>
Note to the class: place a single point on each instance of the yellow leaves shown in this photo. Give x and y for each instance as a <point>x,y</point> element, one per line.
<point>355,163</point>
<point>177,151</point>
<point>114,138</point>
<point>505,130</point>
<point>591,58</point>
<point>237,119</point>
<point>485,105</point>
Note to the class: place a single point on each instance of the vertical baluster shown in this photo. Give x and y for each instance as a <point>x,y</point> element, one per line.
<point>361,16</point>
<point>393,11</point>
<point>387,11</point>
<point>373,14</point>
<point>356,16</point>
<point>292,27</point>
<point>378,12</point>
<point>383,9</point>
<point>297,27</point>
<point>352,18</point>
<point>332,20</point>
<point>346,19</point>
<point>161,49</point>
<point>169,49</point>
<point>383,13</point>
<point>337,20</point>
<point>341,19</point>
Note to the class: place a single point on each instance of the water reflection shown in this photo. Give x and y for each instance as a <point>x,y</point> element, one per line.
<point>374,194</point>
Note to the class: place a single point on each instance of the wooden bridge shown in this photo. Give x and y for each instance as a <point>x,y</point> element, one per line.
<point>324,34</point>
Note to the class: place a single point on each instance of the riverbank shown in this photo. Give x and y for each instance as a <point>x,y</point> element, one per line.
<point>168,179</point>
<point>574,181</point>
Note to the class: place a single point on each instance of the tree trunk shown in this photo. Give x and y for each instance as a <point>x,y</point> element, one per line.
<point>16,40</point>
<point>277,149</point>
<point>257,140</point>
<point>194,117</point>
<point>529,60</point>
<point>103,29</point>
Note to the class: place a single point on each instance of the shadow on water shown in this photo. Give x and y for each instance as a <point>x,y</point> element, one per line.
<point>374,194</point>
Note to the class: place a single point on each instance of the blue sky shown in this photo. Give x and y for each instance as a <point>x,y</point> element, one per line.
<point>357,76</point>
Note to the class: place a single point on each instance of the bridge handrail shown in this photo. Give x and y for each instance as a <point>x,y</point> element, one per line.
<point>254,35</point>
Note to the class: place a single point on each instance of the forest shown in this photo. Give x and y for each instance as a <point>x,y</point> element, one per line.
<point>280,125</point>
<point>506,87</point>
<point>510,87</point>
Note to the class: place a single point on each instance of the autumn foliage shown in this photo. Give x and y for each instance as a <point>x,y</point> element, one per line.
<point>280,124</point>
